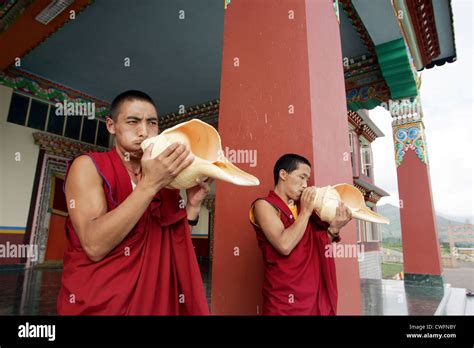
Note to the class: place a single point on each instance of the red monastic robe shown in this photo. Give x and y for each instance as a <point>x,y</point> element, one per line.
<point>304,282</point>
<point>153,271</point>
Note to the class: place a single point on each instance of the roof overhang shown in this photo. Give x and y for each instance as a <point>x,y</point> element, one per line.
<point>428,31</point>
<point>363,125</point>
<point>371,192</point>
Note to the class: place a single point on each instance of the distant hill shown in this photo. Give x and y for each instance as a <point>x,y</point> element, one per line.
<point>392,232</point>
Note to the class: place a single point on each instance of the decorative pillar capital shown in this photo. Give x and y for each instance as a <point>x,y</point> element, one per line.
<point>408,129</point>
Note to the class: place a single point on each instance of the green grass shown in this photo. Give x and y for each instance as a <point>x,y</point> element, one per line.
<point>396,247</point>
<point>390,269</point>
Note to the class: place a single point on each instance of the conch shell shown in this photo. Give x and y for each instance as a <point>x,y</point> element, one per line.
<point>209,161</point>
<point>328,198</point>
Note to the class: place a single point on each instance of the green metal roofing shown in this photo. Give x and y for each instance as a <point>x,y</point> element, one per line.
<point>368,104</point>
<point>396,69</point>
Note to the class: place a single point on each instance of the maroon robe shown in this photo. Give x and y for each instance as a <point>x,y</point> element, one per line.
<point>153,271</point>
<point>304,282</point>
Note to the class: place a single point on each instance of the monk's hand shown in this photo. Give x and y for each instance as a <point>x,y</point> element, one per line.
<point>343,216</point>
<point>195,196</point>
<point>158,172</point>
<point>197,193</point>
<point>307,201</point>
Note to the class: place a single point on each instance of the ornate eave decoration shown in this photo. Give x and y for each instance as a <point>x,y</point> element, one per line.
<point>63,147</point>
<point>365,85</point>
<point>360,127</point>
<point>423,21</point>
<point>358,25</point>
<point>10,10</point>
<point>369,195</point>
<point>397,69</point>
<point>206,112</point>
<point>46,90</point>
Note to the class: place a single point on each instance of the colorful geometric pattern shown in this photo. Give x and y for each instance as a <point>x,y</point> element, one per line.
<point>206,112</point>
<point>48,91</point>
<point>63,147</point>
<point>410,137</point>
<point>364,82</point>
<point>367,97</point>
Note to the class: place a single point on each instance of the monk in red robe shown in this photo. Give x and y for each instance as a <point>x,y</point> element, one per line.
<point>129,242</point>
<point>299,279</point>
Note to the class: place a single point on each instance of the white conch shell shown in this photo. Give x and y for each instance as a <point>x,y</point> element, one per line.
<point>328,198</point>
<point>209,161</point>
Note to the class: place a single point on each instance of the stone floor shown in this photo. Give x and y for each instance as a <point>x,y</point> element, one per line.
<point>394,297</point>
<point>39,298</point>
<point>379,297</point>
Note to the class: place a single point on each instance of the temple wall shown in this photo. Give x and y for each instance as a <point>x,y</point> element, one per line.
<point>16,177</point>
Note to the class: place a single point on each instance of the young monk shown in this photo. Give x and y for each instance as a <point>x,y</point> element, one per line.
<point>130,250</point>
<point>298,278</point>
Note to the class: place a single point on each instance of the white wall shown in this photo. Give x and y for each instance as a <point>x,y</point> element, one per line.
<point>16,177</point>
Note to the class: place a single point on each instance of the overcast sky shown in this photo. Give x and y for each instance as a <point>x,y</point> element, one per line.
<point>447,99</point>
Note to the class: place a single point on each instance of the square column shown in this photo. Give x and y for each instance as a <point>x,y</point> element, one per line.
<point>282,91</point>
<point>421,251</point>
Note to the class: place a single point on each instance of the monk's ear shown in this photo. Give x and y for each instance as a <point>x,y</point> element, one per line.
<point>283,174</point>
<point>110,123</point>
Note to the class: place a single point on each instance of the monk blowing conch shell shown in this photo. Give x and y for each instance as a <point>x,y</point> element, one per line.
<point>209,160</point>
<point>327,199</point>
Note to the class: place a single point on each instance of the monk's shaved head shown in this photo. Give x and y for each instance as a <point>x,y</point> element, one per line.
<point>289,163</point>
<point>129,95</point>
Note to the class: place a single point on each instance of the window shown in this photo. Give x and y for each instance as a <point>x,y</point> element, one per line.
<point>359,230</point>
<point>102,135</point>
<point>366,160</point>
<point>88,130</point>
<point>371,234</point>
<point>18,109</point>
<point>33,113</point>
<point>73,127</point>
<point>351,141</point>
<point>351,146</point>
<point>37,115</point>
<point>55,122</point>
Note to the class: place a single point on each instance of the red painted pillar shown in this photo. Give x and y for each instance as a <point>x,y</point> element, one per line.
<point>282,91</point>
<point>421,252</point>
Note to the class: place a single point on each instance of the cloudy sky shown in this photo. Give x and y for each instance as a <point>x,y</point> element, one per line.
<point>448,103</point>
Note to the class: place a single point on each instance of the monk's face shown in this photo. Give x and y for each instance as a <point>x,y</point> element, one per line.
<point>296,181</point>
<point>136,121</point>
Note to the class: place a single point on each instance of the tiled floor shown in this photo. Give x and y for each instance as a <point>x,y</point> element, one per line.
<point>379,297</point>
<point>393,297</point>
<point>39,298</point>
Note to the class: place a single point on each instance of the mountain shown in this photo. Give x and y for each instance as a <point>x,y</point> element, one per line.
<point>392,232</point>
